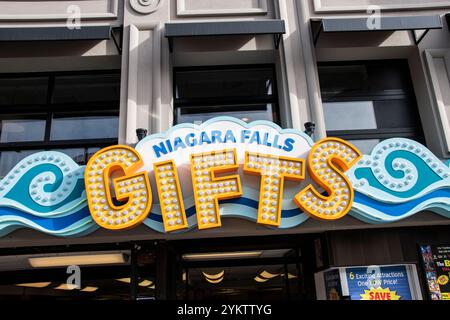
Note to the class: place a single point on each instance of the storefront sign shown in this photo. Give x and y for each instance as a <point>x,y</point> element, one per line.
<point>393,282</point>
<point>193,176</point>
<point>436,263</point>
<point>378,283</point>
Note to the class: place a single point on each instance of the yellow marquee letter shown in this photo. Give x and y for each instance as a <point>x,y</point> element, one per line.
<point>170,197</point>
<point>322,161</point>
<point>134,188</point>
<point>208,188</point>
<point>273,170</point>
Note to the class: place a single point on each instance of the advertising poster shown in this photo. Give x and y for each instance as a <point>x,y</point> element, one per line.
<point>378,283</point>
<point>436,264</point>
<point>333,285</point>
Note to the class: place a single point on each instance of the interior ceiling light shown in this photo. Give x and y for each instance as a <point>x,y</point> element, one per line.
<point>34,284</point>
<point>90,289</point>
<point>152,286</point>
<point>268,275</point>
<point>66,286</point>
<point>145,283</point>
<point>214,276</point>
<point>214,281</point>
<point>79,260</point>
<point>258,279</point>
<point>124,280</point>
<point>221,255</point>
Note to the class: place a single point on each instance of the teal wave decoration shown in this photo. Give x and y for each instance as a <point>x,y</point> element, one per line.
<point>398,179</point>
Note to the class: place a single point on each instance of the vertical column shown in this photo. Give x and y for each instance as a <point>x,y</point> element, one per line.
<point>166,270</point>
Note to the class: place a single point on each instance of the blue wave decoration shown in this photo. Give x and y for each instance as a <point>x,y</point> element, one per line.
<point>400,178</point>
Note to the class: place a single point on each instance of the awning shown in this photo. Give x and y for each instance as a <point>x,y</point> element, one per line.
<point>408,23</point>
<point>55,33</point>
<point>226,28</point>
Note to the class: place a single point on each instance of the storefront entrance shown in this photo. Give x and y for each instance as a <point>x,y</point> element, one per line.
<point>267,268</point>
<point>259,268</point>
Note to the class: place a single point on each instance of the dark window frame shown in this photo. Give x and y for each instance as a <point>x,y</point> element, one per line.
<point>375,95</point>
<point>203,105</point>
<point>49,109</point>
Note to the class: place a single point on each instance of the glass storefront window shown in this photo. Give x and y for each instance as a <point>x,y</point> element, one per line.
<point>84,127</point>
<point>8,159</point>
<point>365,145</point>
<point>223,83</point>
<point>263,274</point>
<point>73,112</point>
<point>78,275</point>
<point>246,113</point>
<point>246,92</point>
<point>86,88</point>
<point>22,130</point>
<point>367,102</point>
<point>17,90</point>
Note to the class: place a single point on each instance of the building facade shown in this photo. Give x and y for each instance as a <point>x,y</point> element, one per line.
<point>78,76</point>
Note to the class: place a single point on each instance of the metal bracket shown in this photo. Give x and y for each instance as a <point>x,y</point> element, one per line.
<point>277,40</point>
<point>418,40</point>
<point>118,43</point>
<point>170,44</point>
<point>317,28</point>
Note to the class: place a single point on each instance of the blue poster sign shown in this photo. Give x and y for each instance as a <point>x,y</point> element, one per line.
<point>378,283</point>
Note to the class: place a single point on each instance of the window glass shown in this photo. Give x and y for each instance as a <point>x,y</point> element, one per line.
<point>349,115</point>
<point>91,152</point>
<point>215,83</point>
<point>79,127</point>
<point>77,154</point>
<point>243,112</point>
<point>86,88</point>
<point>397,113</point>
<point>45,112</point>
<point>246,92</point>
<point>374,77</point>
<point>365,145</point>
<point>103,280</point>
<point>22,130</point>
<point>8,159</point>
<point>365,102</point>
<point>22,91</point>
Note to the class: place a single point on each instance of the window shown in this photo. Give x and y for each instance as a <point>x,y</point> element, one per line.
<point>367,102</point>
<point>76,113</point>
<point>113,272</point>
<point>245,92</point>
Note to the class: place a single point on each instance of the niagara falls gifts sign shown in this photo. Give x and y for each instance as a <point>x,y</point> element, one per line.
<point>193,176</point>
<point>200,166</point>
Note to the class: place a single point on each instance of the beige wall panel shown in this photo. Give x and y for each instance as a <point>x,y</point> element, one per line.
<point>325,6</point>
<point>57,10</point>
<point>220,7</point>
